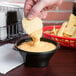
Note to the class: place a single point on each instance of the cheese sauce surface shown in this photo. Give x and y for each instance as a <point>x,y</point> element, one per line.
<point>42,47</point>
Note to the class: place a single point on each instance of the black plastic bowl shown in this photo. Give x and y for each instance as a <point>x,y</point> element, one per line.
<point>36,59</point>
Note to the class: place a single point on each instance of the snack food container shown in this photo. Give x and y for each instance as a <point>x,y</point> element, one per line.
<point>36,59</point>
<point>63,41</point>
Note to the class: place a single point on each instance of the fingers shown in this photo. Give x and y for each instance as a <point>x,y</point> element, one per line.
<point>42,14</point>
<point>28,5</point>
<point>33,8</point>
<point>36,9</point>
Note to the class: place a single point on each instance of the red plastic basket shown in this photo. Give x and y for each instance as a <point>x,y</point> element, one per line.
<point>67,42</point>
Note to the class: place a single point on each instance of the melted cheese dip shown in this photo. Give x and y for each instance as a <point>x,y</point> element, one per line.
<point>34,30</point>
<point>42,47</point>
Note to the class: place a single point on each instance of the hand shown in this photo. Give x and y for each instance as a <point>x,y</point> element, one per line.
<point>38,8</point>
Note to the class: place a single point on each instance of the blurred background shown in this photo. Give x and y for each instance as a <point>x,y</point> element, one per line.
<point>12,14</point>
<point>56,15</point>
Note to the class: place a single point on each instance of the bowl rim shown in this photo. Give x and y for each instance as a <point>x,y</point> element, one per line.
<point>28,38</point>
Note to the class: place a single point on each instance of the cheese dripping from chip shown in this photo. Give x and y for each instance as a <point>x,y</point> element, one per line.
<point>33,28</point>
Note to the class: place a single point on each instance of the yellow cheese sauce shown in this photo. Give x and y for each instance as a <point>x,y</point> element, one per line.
<point>41,47</point>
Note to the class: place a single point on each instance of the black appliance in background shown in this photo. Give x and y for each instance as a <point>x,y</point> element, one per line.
<point>74,9</point>
<point>11,21</point>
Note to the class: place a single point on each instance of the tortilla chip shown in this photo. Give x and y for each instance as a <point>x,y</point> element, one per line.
<point>32,25</point>
<point>72,20</point>
<point>60,33</point>
<point>48,32</point>
<point>54,30</point>
<point>66,35</point>
<point>57,30</point>
<point>70,30</point>
<point>74,35</point>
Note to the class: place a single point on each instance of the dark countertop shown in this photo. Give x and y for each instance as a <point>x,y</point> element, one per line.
<point>63,63</point>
